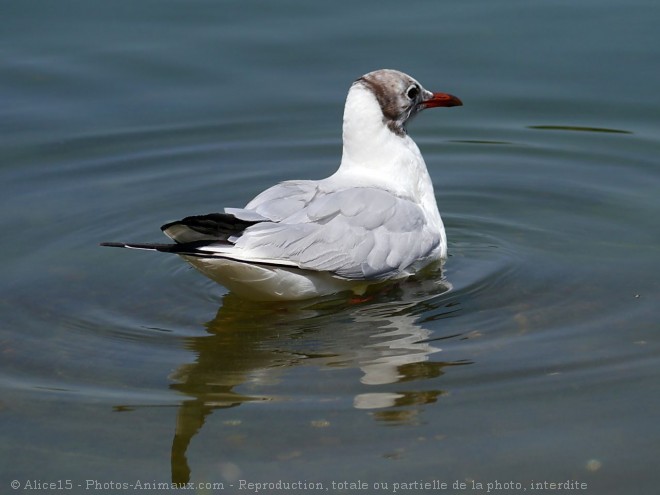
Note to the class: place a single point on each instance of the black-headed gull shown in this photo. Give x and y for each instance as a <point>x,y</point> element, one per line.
<point>374,219</point>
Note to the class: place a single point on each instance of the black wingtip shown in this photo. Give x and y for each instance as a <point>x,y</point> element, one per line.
<point>149,247</point>
<point>164,248</point>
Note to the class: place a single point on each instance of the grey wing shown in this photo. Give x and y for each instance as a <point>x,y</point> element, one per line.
<point>356,233</point>
<point>280,201</point>
<point>272,205</point>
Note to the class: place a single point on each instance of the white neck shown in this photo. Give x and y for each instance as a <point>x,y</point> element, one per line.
<point>374,155</point>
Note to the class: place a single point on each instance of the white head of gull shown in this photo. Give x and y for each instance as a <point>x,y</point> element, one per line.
<point>375,219</point>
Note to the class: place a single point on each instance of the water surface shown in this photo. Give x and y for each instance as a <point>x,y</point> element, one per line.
<point>531,356</point>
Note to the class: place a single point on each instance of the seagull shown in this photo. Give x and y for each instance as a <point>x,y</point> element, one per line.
<point>374,220</point>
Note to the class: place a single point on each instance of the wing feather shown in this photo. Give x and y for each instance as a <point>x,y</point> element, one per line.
<point>355,233</point>
<point>364,233</point>
<point>284,199</point>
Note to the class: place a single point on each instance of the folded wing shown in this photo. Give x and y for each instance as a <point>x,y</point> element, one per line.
<point>356,233</point>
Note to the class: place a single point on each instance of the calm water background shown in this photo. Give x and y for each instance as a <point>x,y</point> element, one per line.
<point>532,357</point>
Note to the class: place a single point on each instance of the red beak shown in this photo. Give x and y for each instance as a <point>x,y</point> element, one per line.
<point>442,100</point>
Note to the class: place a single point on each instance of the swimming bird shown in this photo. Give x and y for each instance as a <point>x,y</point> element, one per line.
<point>375,219</point>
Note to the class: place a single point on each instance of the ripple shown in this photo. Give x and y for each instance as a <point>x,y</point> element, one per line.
<point>138,330</point>
<point>577,129</point>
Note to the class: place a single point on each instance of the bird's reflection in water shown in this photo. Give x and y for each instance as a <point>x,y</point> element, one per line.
<point>250,345</point>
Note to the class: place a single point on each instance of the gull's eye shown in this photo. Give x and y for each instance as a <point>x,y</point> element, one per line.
<point>412,92</point>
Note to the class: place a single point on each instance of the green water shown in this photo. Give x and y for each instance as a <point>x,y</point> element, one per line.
<point>532,357</point>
